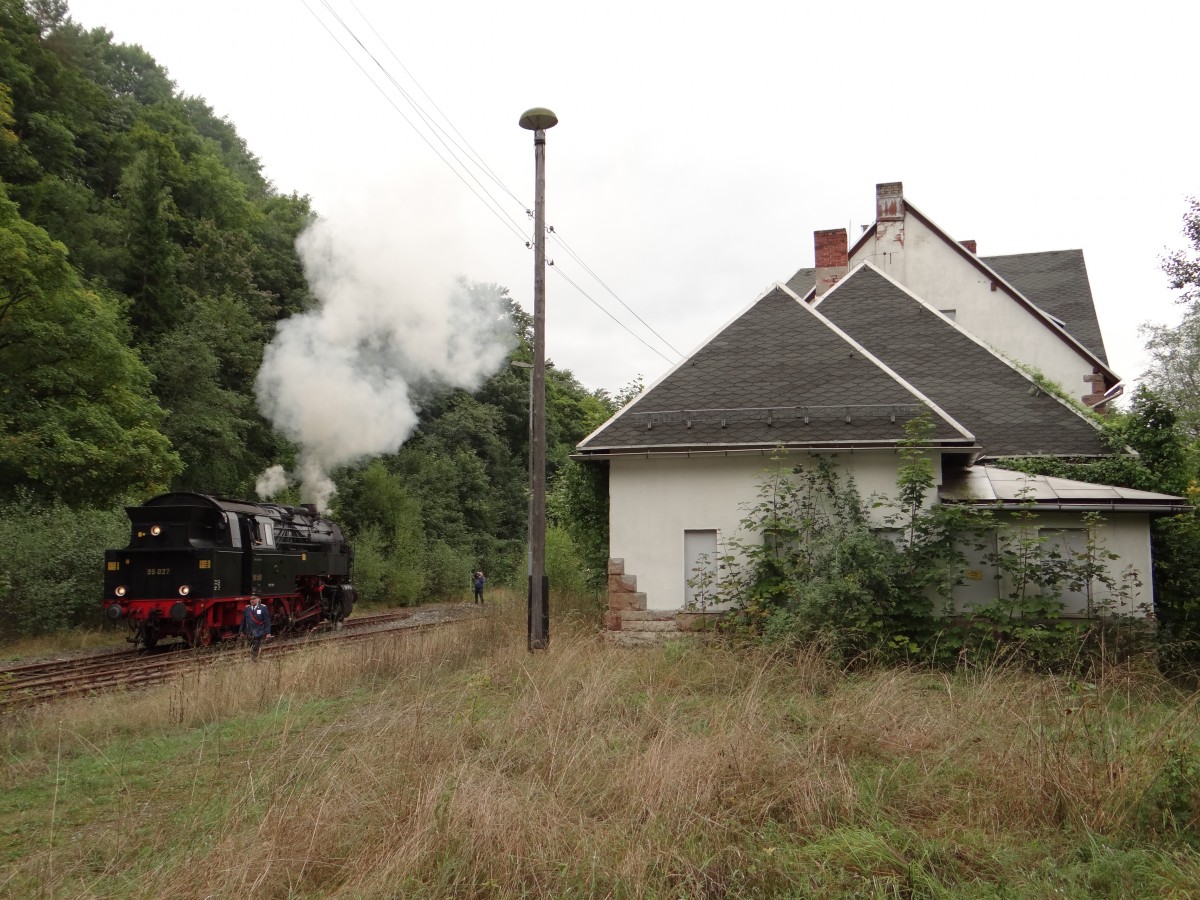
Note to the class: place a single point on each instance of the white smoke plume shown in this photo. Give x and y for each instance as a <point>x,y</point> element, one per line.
<point>338,379</point>
<point>271,482</point>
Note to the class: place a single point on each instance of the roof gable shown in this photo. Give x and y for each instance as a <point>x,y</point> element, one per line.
<point>1057,281</point>
<point>778,373</point>
<point>1002,285</point>
<point>1003,407</point>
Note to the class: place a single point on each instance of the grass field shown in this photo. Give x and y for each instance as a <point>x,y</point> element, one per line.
<point>456,764</point>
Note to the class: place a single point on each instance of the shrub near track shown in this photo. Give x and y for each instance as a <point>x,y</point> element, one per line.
<point>454,763</point>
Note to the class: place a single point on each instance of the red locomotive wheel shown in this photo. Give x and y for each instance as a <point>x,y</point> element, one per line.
<point>200,636</point>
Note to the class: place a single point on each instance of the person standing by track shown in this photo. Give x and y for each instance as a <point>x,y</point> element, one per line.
<point>477,581</point>
<point>256,625</point>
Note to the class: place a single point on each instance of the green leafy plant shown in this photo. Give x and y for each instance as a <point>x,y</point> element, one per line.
<point>809,565</point>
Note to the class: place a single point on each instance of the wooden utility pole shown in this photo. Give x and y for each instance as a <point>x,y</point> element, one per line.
<point>538,120</point>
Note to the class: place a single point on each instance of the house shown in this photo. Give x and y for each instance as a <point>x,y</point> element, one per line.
<point>1004,355</point>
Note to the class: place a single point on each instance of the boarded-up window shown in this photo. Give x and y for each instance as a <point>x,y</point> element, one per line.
<point>1066,544</point>
<point>700,567</point>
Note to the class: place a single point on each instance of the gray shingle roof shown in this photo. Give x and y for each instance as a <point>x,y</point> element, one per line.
<point>1057,281</point>
<point>756,382</point>
<point>1000,405</point>
<point>802,282</point>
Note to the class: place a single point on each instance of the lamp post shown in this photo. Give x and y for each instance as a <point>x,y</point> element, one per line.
<point>538,120</point>
<point>521,364</point>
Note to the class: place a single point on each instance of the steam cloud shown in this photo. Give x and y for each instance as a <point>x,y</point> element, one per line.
<point>338,379</point>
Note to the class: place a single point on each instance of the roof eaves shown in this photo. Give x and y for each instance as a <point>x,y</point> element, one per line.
<point>648,450</point>
<point>993,487</point>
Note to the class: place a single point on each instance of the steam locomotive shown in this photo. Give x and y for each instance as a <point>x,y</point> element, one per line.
<point>195,561</point>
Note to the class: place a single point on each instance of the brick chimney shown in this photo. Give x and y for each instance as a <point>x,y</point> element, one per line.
<point>832,263</point>
<point>889,201</point>
<point>970,247</point>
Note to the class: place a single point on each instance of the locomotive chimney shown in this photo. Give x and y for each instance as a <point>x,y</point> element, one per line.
<point>310,508</point>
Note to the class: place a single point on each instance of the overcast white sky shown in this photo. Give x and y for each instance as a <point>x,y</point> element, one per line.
<point>700,144</point>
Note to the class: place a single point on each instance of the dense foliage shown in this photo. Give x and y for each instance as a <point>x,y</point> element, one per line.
<point>815,563</point>
<point>145,262</point>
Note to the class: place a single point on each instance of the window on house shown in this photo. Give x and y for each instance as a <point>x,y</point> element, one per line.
<point>897,537</point>
<point>1064,545</point>
<point>979,584</point>
<point>700,568</point>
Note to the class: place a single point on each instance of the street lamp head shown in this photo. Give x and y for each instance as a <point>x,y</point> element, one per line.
<point>538,119</point>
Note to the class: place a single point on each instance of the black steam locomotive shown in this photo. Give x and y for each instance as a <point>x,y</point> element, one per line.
<point>194,562</point>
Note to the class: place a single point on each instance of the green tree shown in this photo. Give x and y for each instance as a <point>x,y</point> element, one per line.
<point>1174,371</point>
<point>78,419</point>
<point>385,525</point>
<point>51,555</point>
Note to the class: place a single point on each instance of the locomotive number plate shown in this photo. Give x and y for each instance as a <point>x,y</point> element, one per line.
<point>166,571</point>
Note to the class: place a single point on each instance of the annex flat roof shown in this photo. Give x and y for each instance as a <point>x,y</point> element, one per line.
<point>990,486</point>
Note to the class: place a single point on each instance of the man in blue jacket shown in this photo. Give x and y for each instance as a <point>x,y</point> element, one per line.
<point>256,625</point>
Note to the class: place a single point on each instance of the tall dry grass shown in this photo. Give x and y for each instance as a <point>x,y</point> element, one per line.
<point>457,764</point>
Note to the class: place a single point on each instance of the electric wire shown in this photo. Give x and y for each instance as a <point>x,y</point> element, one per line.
<point>438,131</point>
<point>600,281</point>
<point>473,153</point>
<point>569,281</point>
<point>506,221</point>
<point>475,159</point>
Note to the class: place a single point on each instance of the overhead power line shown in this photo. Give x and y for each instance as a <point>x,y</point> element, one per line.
<point>568,280</point>
<point>474,154</point>
<point>600,281</point>
<point>466,157</point>
<point>490,201</point>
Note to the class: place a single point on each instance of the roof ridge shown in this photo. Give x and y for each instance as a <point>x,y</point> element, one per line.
<point>911,388</point>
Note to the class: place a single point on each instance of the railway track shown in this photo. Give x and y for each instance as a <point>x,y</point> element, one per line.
<point>29,684</point>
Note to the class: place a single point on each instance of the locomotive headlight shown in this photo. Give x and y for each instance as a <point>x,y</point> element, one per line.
<point>184,590</point>
<point>155,530</point>
<point>119,590</point>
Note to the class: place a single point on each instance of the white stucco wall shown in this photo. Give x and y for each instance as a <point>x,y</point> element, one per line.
<point>921,260</point>
<point>652,502</point>
<point>1126,534</point>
